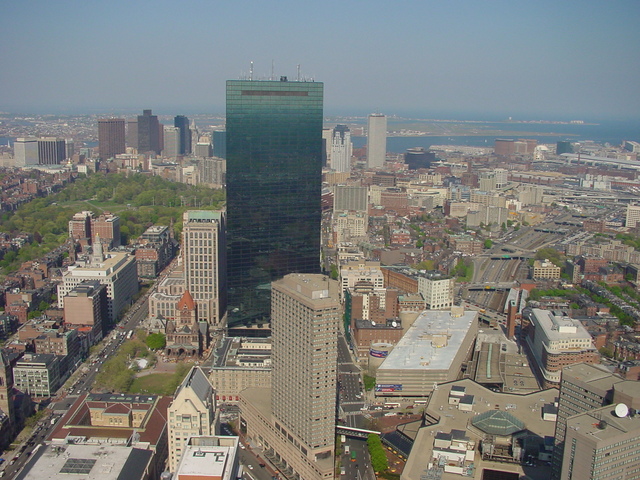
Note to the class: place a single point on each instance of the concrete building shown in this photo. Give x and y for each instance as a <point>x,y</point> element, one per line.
<point>112,419</point>
<point>89,462</point>
<point>171,141</point>
<point>80,226</point>
<point>37,375</point>
<point>191,413</point>
<point>247,364</point>
<point>633,215</point>
<point>583,387</point>
<point>350,227</point>
<point>204,259</point>
<point>341,149</point>
<point>295,421</point>
<point>117,271</point>
<point>148,133</point>
<point>545,269</point>
<point>436,290</point>
<point>25,151</point>
<point>348,197</point>
<point>376,140</point>
<point>434,350</point>
<point>557,341</point>
<point>355,272</point>
<point>85,309</point>
<point>209,458</point>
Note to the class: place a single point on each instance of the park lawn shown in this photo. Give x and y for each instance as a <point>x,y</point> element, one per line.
<point>155,383</point>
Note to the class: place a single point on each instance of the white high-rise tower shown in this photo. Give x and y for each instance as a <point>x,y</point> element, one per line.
<point>376,140</point>
<point>341,149</point>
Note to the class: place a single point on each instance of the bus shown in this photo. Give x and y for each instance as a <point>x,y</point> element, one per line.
<point>353,455</point>
<point>129,334</point>
<point>420,402</point>
<point>392,405</point>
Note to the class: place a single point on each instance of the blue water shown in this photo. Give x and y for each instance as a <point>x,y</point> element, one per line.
<point>612,132</point>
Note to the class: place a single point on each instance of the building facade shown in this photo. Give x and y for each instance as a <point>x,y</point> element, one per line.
<point>274,163</point>
<point>111,137</point>
<point>376,140</point>
<point>182,123</point>
<point>191,413</point>
<point>148,133</point>
<point>341,149</point>
<point>204,260</point>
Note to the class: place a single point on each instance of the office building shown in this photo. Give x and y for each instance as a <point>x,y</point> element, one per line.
<point>148,133</point>
<point>583,388</point>
<point>171,142</point>
<point>203,149</point>
<point>350,198</point>
<point>297,425</point>
<point>116,270</point>
<point>204,260</point>
<point>191,413</point>
<point>633,215</point>
<point>341,149</point>
<point>545,269</point>
<point>25,151</point>
<point>209,458</point>
<point>376,140</point>
<point>85,308</point>
<point>182,123</point>
<point>51,151</point>
<point>436,290</point>
<point>557,341</point>
<point>107,227</point>
<point>132,134</point>
<point>274,149</point>
<point>219,138</point>
<point>418,157</point>
<point>38,375</point>
<point>111,137</point>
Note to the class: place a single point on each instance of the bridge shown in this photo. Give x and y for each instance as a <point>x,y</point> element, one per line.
<point>354,432</point>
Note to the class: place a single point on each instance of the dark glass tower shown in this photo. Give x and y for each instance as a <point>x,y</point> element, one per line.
<point>274,162</point>
<point>182,123</point>
<point>148,133</point>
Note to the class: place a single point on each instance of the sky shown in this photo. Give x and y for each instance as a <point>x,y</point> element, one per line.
<point>569,59</point>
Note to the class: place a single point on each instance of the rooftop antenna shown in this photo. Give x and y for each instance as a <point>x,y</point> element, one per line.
<point>272,74</point>
<point>251,71</point>
<point>298,72</point>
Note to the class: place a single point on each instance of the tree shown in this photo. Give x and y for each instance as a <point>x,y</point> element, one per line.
<point>488,243</point>
<point>156,341</point>
<point>379,460</point>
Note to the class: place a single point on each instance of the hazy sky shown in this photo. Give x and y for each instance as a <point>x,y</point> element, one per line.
<point>530,59</point>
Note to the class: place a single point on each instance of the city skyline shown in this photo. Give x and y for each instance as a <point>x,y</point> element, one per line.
<point>544,59</point>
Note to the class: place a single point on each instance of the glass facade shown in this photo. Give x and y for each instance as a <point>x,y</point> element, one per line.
<point>274,162</point>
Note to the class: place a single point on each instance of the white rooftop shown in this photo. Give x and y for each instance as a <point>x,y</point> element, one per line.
<point>208,461</point>
<point>558,327</point>
<point>431,342</point>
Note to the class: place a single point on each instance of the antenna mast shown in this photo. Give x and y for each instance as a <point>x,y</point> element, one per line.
<point>251,71</point>
<point>298,72</point>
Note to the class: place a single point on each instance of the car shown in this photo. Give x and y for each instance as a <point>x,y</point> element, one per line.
<point>250,467</point>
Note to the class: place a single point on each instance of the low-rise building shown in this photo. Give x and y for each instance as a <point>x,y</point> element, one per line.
<point>209,458</point>
<point>545,269</point>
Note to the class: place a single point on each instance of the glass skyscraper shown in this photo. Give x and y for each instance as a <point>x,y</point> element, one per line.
<point>274,162</point>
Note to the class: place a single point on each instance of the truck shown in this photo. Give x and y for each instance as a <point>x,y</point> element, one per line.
<point>353,455</point>
<point>346,449</point>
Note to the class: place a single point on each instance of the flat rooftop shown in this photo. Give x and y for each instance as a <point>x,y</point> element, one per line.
<point>209,461</point>
<point>559,327</point>
<point>445,418</point>
<point>419,349</point>
<point>86,462</point>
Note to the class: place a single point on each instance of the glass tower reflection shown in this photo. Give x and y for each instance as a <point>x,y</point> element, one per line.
<point>274,162</point>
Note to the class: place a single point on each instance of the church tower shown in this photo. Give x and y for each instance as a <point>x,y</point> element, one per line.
<point>6,387</point>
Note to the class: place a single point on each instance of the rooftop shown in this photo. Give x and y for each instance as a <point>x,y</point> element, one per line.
<point>432,341</point>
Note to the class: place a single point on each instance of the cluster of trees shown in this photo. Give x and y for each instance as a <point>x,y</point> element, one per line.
<point>463,270</point>
<point>116,374</point>
<point>378,455</point>
<point>554,256</point>
<point>157,201</point>
<point>629,239</point>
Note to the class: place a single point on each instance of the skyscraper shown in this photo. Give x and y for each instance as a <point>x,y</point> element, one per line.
<point>182,122</point>
<point>25,151</point>
<point>341,149</point>
<point>376,140</point>
<point>148,133</point>
<point>51,151</point>
<point>110,137</point>
<point>298,423</point>
<point>171,141</point>
<point>274,149</point>
<point>204,259</point>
